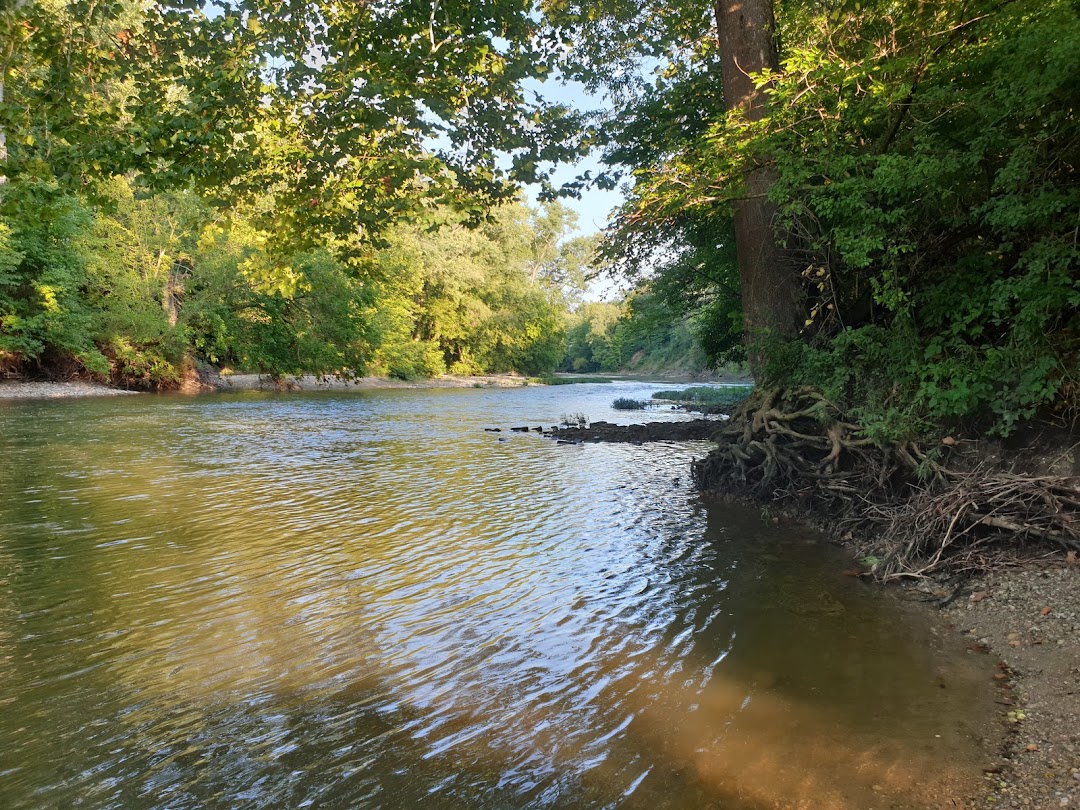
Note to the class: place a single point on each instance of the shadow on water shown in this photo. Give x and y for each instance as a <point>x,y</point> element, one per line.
<point>366,601</point>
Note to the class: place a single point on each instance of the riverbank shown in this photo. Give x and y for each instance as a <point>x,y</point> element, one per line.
<point>57,390</point>
<point>1028,618</point>
<point>310,382</point>
<point>1025,615</point>
<point>34,389</point>
<point>988,528</point>
<point>210,381</point>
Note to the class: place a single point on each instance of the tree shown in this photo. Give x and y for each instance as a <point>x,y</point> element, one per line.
<point>308,128</point>
<point>711,86</point>
<point>353,115</point>
<point>12,33</point>
<point>746,34</point>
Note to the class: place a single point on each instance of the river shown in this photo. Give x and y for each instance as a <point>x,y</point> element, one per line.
<point>364,599</point>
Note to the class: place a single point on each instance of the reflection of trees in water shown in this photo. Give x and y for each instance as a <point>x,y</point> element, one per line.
<point>275,635</point>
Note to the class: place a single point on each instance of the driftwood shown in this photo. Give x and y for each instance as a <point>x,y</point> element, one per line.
<point>902,504</point>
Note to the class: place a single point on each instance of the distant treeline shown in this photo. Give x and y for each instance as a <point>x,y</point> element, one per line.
<point>137,287</point>
<point>642,333</point>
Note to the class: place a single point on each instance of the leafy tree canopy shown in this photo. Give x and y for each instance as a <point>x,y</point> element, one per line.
<point>353,114</point>
<point>924,166</point>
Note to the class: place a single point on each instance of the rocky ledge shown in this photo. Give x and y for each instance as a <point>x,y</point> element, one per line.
<point>692,430</point>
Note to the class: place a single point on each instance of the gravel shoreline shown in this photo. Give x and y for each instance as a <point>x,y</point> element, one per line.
<point>57,390</point>
<point>1028,618</point>
<point>24,389</point>
<point>309,382</point>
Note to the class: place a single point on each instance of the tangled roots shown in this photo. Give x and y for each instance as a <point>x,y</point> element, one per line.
<point>796,448</point>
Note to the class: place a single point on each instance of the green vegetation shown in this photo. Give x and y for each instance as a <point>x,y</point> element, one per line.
<point>136,287</point>
<point>178,186</point>
<point>875,199</point>
<point>643,334</point>
<point>955,233</point>
<point>707,399</point>
<point>920,164</point>
<point>627,404</point>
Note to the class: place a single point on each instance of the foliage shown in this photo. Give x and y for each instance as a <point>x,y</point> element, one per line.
<point>591,340</point>
<point>135,287</point>
<point>641,334</point>
<point>931,195</point>
<point>707,395</point>
<point>302,127</point>
<point>627,404</point>
<point>476,298</point>
<point>43,313</point>
<point>924,162</point>
<point>332,105</point>
<point>329,187</point>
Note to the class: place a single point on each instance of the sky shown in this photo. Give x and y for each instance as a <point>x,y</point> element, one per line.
<point>595,206</point>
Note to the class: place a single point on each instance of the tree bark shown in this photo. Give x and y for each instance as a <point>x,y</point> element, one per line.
<point>771,293</point>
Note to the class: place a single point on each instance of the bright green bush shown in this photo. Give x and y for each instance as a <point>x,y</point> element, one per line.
<point>414,360</point>
<point>938,220</point>
<point>43,309</point>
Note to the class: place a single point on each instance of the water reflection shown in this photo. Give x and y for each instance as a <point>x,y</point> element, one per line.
<point>365,600</point>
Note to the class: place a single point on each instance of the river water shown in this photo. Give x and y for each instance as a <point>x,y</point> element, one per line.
<point>363,599</point>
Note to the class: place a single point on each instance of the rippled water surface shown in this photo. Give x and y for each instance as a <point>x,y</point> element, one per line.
<point>364,600</point>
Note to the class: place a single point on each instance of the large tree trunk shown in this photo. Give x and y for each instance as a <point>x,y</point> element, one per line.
<point>771,294</point>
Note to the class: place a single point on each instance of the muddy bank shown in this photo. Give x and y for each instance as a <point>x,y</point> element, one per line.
<point>1028,619</point>
<point>692,430</point>
<point>947,505</point>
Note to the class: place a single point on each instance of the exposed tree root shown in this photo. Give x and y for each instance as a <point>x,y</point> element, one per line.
<point>900,503</point>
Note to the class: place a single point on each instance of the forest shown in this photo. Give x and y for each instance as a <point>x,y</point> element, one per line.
<point>182,186</point>
<point>877,200</point>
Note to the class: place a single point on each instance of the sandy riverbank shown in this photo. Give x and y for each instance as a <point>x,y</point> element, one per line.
<point>21,389</point>
<point>27,389</point>
<point>257,382</point>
